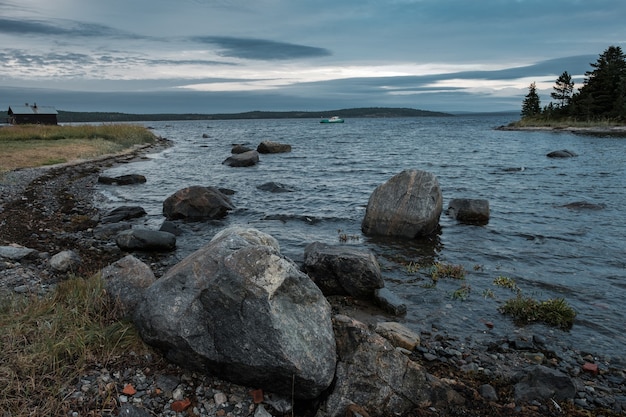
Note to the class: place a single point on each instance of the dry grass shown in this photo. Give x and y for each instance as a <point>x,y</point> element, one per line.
<point>36,145</point>
<point>48,342</point>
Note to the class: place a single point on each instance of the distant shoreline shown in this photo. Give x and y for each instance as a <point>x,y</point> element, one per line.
<point>365,112</point>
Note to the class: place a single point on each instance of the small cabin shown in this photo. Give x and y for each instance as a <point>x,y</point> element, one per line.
<point>26,114</point>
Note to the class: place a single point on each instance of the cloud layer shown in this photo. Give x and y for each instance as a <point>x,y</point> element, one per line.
<point>232,55</point>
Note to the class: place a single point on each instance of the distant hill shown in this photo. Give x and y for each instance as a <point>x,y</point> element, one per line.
<point>68,116</point>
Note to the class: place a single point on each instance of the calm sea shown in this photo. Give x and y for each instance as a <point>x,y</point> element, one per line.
<point>549,250</point>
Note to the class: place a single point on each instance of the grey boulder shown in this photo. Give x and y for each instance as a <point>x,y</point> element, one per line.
<point>407,205</point>
<point>240,310</point>
<point>379,378</point>
<point>197,203</point>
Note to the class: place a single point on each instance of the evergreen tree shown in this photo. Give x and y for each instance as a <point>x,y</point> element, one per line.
<point>604,90</point>
<point>563,90</point>
<point>531,106</point>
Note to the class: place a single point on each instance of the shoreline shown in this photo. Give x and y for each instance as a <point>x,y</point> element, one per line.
<point>442,354</point>
<point>593,130</point>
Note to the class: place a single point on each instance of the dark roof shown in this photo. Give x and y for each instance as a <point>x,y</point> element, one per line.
<point>35,109</point>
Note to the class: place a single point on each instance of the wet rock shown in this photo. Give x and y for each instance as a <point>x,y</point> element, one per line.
<point>245,159</point>
<point>564,153</point>
<point>469,210</point>
<point>171,227</point>
<point>145,240</point>
<point>240,149</point>
<point>407,205</point>
<point>390,302</point>
<point>583,205</point>
<point>342,270</point>
<point>273,147</point>
<point>129,179</point>
<point>108,231</point>
<point>123,213</point>
<point>275,187</point>
<point>197,203</point>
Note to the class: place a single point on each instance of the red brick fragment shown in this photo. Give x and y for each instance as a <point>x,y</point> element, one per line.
<point>257,396</point>
<point>129,390</point>
<point>180,406</point>
<point>591,368</point>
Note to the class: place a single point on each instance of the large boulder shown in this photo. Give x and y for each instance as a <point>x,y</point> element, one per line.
<point>240,310</point>
<point>378,378</point>
<point>343,270</point>
<point>469,210</point>
<point>407,205</point>
<point>273,147</point>
<point>197,203</point>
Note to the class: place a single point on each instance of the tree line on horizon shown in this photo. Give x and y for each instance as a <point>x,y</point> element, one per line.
<point>366,112</point>
<point>602,96</point>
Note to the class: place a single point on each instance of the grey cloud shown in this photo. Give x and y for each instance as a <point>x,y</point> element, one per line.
<point>261,49</point>
<point>59,27</point>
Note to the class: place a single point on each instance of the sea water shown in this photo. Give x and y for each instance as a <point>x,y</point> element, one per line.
<point>549,250</point>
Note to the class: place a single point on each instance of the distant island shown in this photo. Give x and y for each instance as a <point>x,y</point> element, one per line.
<point>369,112</point>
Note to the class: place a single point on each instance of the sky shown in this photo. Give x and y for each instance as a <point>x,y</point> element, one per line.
<point>231,56</point>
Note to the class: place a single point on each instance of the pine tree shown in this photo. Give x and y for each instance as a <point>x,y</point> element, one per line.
<point>563,90</point>
<point>531,106</point>
<point>604,90</point>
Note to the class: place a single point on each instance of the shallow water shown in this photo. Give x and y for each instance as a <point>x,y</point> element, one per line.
<point>549,250</point>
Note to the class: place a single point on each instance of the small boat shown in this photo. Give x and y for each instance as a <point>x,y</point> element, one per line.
<point>334,119</point>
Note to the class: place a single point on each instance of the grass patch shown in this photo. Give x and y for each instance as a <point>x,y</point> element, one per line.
<point>48,342</point>
<point>506,282</point>
<point>554,312</point>
<point>446,270</point>
<point>26,146</point>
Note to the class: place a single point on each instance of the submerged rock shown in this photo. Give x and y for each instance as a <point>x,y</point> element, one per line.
<point>563,153</point>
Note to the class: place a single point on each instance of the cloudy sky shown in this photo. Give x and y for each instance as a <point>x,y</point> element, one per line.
<point>226,56</point>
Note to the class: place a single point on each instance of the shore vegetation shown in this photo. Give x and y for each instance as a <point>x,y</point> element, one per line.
<point>599,103</point>
<point>28,146</point>
<point>49,341</point>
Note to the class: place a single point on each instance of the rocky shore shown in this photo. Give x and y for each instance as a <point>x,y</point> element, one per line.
<point>50,210</point>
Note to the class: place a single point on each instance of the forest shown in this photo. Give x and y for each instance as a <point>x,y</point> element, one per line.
<point>601,98</point>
